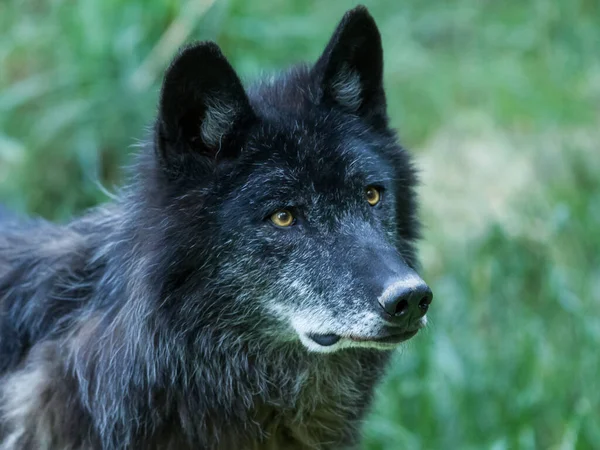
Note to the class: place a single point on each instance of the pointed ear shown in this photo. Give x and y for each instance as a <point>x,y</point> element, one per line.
<point>203,111</point>
<point>350,70</point>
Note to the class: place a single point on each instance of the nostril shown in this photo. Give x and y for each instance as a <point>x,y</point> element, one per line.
<point>425,302</point>
<point>401,307</point>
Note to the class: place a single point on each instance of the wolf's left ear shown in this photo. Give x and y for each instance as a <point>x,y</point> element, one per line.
<point>350,70</point>
<point>203,110</point>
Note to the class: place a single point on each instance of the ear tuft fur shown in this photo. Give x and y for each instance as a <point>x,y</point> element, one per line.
<point>346,88</point>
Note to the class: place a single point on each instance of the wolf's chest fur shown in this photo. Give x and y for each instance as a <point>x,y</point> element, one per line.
<point>321,406</point>
<point>302,407</point>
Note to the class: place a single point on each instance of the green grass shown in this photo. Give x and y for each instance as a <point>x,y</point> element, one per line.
<point>499,102</point>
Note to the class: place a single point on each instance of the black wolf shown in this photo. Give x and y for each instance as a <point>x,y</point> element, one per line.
<point>246,289</point>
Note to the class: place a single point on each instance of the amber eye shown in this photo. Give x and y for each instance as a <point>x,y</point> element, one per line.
<point>282,218</point>
<point>373,195</point>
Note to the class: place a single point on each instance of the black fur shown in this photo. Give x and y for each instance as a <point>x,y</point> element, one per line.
<point>167,320</point>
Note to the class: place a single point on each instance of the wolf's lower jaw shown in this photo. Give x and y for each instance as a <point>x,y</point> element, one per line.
<point>331,343</point>
<point>343,343</point>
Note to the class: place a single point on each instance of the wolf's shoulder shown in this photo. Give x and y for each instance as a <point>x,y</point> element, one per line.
<point>46,276</point>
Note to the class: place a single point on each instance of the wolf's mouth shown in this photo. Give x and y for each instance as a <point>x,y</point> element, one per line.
<point>327,340</point>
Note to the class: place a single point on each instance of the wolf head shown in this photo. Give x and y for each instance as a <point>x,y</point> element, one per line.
<point>290,205</point>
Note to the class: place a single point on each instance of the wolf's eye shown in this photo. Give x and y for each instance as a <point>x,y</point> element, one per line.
<point>373,195</point>
<point>282,218</point>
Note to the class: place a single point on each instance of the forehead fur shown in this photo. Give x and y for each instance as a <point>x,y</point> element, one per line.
<point>326,152</point>
<point>298,133</point>
<point>292,92</point>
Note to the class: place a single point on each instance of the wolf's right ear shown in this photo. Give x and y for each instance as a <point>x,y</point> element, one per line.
<point>350,70</point>
<point>203,110</point>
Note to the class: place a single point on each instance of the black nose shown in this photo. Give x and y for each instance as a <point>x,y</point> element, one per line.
<point>406,300</point>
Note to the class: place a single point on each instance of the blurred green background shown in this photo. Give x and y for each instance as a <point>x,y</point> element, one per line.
<point>498,100</point>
